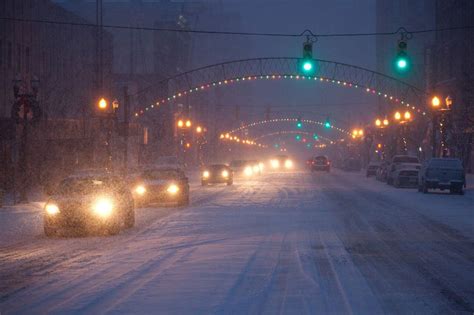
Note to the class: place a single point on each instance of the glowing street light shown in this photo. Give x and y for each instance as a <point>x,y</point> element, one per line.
<point>180,123</point>
<point>378,122</point>
<point>198,129</point>
<point>407,115</point>
<point>397,116</point>
<point>188,123</point>
<point>435,102</point>
<point>102,104</point>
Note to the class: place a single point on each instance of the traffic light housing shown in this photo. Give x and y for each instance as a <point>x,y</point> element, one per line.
<point>298,137</point>
<point>315,137</point>
<point>299,123</point>
<point>402,61</point>
<point>307,65</point>
<point>327,124</point>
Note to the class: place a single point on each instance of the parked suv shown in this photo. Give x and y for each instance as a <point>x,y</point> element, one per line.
<point>401,161</point>
<point>320,163</point>
<point>442,173</point>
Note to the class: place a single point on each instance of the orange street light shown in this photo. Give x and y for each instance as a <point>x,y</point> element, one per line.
<point>188,123</point>
<point>385,122</point>
<point>435,102</point>
<point>397,116</point>
<point>361,132</point>
<point>198,129</point>
<point>378,122</point>
<point>180,123</point>
<point>407,115</point>
<point>102,104</point>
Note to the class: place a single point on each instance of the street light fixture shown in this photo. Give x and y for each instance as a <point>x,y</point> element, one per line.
<point>198,129</point>
<point>435,102</point>
<point>385,122</point>
<point>397,116</point>
<point>407,115</point>
<point>180,123</point>
<point>188,123</point>
<point>102,104</point>
<point>378,122</point>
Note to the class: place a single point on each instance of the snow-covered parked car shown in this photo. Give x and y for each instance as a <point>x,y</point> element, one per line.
<point>406,175</point>
<point>372,169</point>
<point>442,173</point>
<point>89,202</point>
<point>398,162</point>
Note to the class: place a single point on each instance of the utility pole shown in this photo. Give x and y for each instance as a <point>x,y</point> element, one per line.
<point>126,125</point>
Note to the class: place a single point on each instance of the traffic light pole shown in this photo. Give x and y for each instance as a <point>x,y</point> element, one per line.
<point>23,160</point>
<point>126,126</point>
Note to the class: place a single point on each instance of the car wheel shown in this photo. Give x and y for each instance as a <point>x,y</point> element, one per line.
<point>130,219</point>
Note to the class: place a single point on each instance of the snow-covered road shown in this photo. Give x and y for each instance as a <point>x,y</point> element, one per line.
<point>284,243</point>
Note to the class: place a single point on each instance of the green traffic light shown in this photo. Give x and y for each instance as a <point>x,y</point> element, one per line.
<point>298,137</point>
<point>402,63</point>
<point>299,125</point>
<point>327,124</point>
<point>315,137</point>
<point>307,67</point>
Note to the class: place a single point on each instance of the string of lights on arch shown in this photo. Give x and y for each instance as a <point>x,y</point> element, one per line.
<point>367,89</point>
<point>279,120</point>
<point>295,132</point>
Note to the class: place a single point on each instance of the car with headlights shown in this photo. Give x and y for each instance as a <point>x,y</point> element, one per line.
<point>89,203</point>
<point>398,162</point>
<point>372,169</point>
<point>320,163</point>
<point>281,163</point>
<point>217,174</point>
<point>442,173</point>
<point>160,184</point>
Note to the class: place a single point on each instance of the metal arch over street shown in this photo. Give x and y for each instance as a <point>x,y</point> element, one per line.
<point>394,90</point>
<point>288,120</point>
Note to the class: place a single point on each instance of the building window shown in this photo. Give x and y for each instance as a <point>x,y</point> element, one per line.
<point>9,55</point>
<point>27,59</point>
<point>18,61</point>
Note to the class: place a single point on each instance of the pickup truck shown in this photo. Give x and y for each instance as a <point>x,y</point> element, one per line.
<point>442,173</point>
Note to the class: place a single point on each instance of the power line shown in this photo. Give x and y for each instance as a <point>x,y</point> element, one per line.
<point>214,32</point>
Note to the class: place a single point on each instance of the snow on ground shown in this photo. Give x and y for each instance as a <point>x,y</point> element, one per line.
<point>284,243</point>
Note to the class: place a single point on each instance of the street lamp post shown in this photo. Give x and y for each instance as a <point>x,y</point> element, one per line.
<point>440,118</point>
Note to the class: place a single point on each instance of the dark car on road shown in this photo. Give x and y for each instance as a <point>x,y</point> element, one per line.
<point>442,173</point>
<point>160,184</point>
<point>320,163</point>
<point>217,174</point>
<point>88,203</point>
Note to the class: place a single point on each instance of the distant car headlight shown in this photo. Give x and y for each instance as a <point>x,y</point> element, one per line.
<point>172,189</point>
<point>140,189</point>
<point>103,207</point>
<point>225,173</point>
<point>256,168</point>
<point>52,209</point>
<point>205,174</point>
<point>288,163</point>
<point>260,165</point>
<point>275,163</point>
<point>248,171</point>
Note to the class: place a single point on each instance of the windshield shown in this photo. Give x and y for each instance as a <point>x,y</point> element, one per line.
<point>160,174</point>
<point>238,163</point>
<point>445,163</point>
<point>406,159</point>
<point>83,185</point>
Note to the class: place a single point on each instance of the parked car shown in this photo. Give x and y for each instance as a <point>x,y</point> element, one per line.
<point>381,173</point>
<point>352,165</point>
<point>217,174</point>
<point>89,202</point>
<point>401,161</point>
<point>405,176</point>
<point>442,173</point>
<point>160,184</point>
<point>320,163</point>
<point>372,169</point>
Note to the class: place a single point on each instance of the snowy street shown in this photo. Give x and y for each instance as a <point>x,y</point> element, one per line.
<point>295,243</point>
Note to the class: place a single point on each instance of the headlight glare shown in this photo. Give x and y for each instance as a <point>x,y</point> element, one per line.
<point>52,209</point>
<point>288,163</point>
<point>140,189</point>
<point>225,173</point>
<point>248,171</point>
<point>275,163</point>
<point>205,174</point>
<point>172,189</point>
<point>103,207</point>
